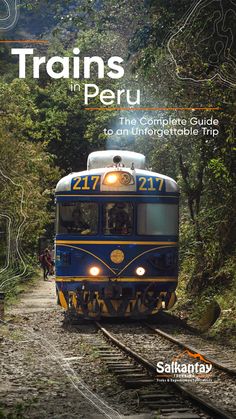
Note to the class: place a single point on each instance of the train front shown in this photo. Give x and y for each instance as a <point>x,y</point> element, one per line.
<point>116,238</point>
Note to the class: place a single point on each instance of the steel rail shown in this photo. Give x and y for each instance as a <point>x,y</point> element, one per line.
<point>191,348</point>
<point>199,402</point>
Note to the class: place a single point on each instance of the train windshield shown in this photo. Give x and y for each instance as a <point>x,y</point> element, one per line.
<point>118,218</point>
<point>157,219</point>
<point>77,218</point>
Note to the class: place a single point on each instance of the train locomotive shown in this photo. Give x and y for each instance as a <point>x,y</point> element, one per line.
<point>116,238</point>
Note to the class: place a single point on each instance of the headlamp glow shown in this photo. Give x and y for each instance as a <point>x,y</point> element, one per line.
<point>94,271</point>
<point>140,271</point>
<point>111,179</point>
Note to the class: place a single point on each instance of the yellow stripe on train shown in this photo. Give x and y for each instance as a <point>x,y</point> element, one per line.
<point>106,279</point>
<point>112,242</point>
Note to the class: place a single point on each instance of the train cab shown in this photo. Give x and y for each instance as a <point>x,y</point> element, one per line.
<point>116,238</point>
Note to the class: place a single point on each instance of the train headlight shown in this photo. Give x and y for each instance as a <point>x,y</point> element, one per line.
<point>111,179</point>
<point>140,271</point>
<point>118,178</point>
<point>94,271</point>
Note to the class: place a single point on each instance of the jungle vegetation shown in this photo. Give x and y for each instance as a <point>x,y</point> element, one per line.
<point>45,131</point>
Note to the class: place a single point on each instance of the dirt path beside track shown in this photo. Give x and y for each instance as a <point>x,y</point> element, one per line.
<point>48,370</point>
<point>41,298</point>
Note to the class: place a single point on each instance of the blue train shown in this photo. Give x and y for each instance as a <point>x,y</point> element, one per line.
<point>116,238</point>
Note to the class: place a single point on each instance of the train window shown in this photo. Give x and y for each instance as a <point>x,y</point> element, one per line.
<point>157,219</point>
<point>118,218</point>
<point>77,218</point>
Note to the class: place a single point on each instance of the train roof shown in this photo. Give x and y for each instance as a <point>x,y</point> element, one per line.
<point>105,158</point>
<point>100,162</point>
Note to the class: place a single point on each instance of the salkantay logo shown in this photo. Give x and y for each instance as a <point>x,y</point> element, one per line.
<point>180,368</point>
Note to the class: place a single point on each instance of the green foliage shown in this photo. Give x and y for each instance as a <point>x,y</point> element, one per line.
<point>27,179</point>
<point>221,289</point>
<point>203,166</point>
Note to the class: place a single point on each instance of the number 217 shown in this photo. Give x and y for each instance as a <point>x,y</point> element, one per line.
<point>147,184</point>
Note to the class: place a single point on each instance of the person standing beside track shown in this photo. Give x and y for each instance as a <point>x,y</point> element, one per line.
<point>46,263</point>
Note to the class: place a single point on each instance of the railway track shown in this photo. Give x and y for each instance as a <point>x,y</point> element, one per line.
<point>169,400</point>
<point>224,364</point>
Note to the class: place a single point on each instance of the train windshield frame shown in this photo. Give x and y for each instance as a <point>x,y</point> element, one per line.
<point>116,218</point>
<point>157,219</point>
<point>77,218</point>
